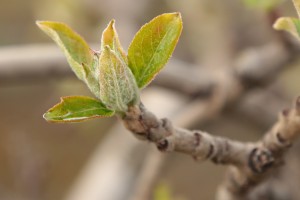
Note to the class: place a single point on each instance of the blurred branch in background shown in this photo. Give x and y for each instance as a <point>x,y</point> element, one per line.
<point>197,93</point>
<point>31,63</point>
<point>21,64</point>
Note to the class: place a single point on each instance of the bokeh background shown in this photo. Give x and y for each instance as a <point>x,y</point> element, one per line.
<point>42,161</point>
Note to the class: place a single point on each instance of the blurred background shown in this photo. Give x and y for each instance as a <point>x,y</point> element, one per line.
<point>99,159</point>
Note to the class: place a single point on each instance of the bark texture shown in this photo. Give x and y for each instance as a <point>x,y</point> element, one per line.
<point>250,163</point>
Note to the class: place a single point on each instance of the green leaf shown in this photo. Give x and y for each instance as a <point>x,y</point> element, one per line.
<point>152,46</point>
<point>83,61</point>
<point>289,24</point>
<point>110,37</point>
<point>76,109</point>
<point>74,47</point>
<point>91,76</point>
<point>118,88</point>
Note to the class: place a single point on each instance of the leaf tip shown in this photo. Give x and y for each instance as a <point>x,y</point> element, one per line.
<point>47,26</point>
<point>40,24</point>
<point>179,18</point>
<point>177,14</point>
<point>52,25</point>
<point>279,23</point>
<point>48,117</point>
<point>44,23</point>
<point>112,23</point>
<point>289,24</point>
<point>110,27</point>
<point>107,48</point>
<point>108,34</point>
<point>45,116</point>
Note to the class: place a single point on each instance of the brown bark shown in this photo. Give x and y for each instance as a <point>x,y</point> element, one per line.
<point>251,163</point>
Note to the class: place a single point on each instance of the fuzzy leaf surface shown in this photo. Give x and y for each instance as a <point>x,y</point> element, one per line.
<point>118,88</point>
<point>77,109</point>
<point>91,76</point>
<point>152,46</point>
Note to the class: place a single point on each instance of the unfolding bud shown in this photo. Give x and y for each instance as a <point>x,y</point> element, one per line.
<point>118,88</point>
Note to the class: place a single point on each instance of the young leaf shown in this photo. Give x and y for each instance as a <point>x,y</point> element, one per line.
<point>91,76</point>
<point>110,37</point>
<point>74,47</point>
<point>289,24</point>
<point>118,88</point>
<point>76,109</point>
<point>152,46</point>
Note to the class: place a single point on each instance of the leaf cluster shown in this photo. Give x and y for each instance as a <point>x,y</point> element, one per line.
<point>114,77</point>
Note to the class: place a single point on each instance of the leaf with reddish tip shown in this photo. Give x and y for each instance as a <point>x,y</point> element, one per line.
<point>73,45</point>
<point>77,109</point>
<point>152,46</point>
<point>118,88</point>
<point>110,37</point>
